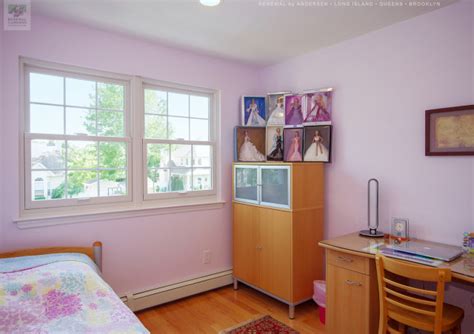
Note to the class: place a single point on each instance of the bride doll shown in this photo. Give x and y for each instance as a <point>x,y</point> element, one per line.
<point>317,151</point>
<point>295,148</point>
<point>277,116</point>
<point>248,151</point>
<point>254,117</point>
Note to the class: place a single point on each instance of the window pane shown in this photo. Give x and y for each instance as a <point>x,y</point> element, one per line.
<point>110,96</point>
<point>178,104</point>
<point>202,155</point>
<point>180,156</point>
<point>80,93</point>
<point>155,127</point>
<point>46,88</point>
<point>80,121</point>
<point>47,154</point>
<point>155,102</point>
<point>178,128</point>
<point>199,129</point>
<point>81,154</point>
<point>199,106</point>
<point>158,155</point>
<point>113,183</point>
<point>180,179</point>
<point>157,181</point>
<point>112,155</point>
<point>82,184</point>
<point>110,123</point>
<point>46,119</point>
<point>202,179</point>
<point>47,185</point>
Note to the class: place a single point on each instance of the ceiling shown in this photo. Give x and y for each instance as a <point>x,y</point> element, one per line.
<point>260,32</point>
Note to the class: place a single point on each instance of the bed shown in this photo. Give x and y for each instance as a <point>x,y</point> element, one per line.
<point>60,290</point>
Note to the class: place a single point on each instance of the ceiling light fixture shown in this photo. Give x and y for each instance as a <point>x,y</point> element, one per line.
<point>210,3</point>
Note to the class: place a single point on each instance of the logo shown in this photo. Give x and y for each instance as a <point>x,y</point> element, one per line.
<point>17,15</point>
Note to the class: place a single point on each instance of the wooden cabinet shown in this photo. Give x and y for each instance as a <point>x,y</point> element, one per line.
<point>276,234</point>
<point>351,304</point>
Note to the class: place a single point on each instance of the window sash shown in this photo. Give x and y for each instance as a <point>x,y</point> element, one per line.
<point>28,137</point>
<point>178,194</point>
<point>64,202</point>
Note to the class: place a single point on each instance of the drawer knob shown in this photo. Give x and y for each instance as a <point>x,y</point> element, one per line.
<point>345,259</point>
<point>350,282</point>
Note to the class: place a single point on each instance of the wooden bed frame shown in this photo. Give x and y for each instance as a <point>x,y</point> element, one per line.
<point>94,252</point>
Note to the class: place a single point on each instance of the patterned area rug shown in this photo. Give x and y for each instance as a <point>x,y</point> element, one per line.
<point>261,325</point>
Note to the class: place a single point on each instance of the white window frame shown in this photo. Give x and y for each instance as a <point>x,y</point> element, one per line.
<point>137,202</point>
<point>212,141</point>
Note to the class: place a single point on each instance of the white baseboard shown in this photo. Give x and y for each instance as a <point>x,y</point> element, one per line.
<point>142,300</point>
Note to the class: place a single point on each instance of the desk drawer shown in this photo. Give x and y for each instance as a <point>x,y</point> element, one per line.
<point>356,263</point>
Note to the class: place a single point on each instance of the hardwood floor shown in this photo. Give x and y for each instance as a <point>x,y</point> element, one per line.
<point>219,309</point>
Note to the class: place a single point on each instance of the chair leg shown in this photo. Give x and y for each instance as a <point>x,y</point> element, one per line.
<point>383,325</point>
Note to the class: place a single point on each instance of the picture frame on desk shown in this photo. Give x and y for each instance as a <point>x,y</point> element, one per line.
<point>448,131</point>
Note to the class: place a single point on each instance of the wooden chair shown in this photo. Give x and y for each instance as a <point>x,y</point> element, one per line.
<point>414,307</point>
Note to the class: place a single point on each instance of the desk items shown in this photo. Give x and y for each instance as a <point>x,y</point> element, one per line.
<point>468,242</point>
<point>419,308</point>
<point>399,229</point>
<point>372,210</point>
<point>352,304</point>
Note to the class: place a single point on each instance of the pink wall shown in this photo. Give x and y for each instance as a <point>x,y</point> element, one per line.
<point>146,251</point>
<point>384,81</point>
<point>2,235</point>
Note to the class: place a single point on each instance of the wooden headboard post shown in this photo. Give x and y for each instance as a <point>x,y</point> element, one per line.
<point>97,248</point>
<point>94,252</point>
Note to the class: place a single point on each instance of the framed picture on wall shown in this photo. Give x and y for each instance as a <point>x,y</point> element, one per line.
<point>293,144</point>
<point>253,111</point>
<point>274,143</point>
<point>318,107</point>
<point>449,131</point>
<point>250,143</point>
<point>317,143</point>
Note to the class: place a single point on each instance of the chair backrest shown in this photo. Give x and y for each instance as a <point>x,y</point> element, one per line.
<point>407,297</point>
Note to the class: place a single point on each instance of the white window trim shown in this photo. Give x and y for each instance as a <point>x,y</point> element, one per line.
<point>137,202</point>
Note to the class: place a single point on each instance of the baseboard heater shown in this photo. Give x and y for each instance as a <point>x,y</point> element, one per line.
<point>149,298</point>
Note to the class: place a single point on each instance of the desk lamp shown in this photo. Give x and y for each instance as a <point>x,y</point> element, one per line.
<point>372,185</point>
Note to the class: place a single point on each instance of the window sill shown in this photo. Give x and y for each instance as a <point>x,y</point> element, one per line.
<point>40,219</point>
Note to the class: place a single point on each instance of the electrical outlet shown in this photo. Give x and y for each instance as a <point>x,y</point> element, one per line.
<point>206,256</point>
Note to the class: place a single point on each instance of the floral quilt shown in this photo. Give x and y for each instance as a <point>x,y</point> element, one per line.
<point>60,293</point>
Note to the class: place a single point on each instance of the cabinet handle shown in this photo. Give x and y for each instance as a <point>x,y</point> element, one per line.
<point>259,247</point>
<point>345,259</point>
<point>350,282</point>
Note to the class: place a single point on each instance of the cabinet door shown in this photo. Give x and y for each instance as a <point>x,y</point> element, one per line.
<point>275,182</point>
<point>246,184</point>
<point>245,228</point>
<point>348,302</point>
<point>275,252</point>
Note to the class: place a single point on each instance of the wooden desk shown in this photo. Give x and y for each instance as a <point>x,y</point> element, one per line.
<point>352,304</point>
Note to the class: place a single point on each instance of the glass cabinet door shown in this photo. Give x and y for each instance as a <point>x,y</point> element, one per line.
<point>246,184</point>
<point>275,186</point>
